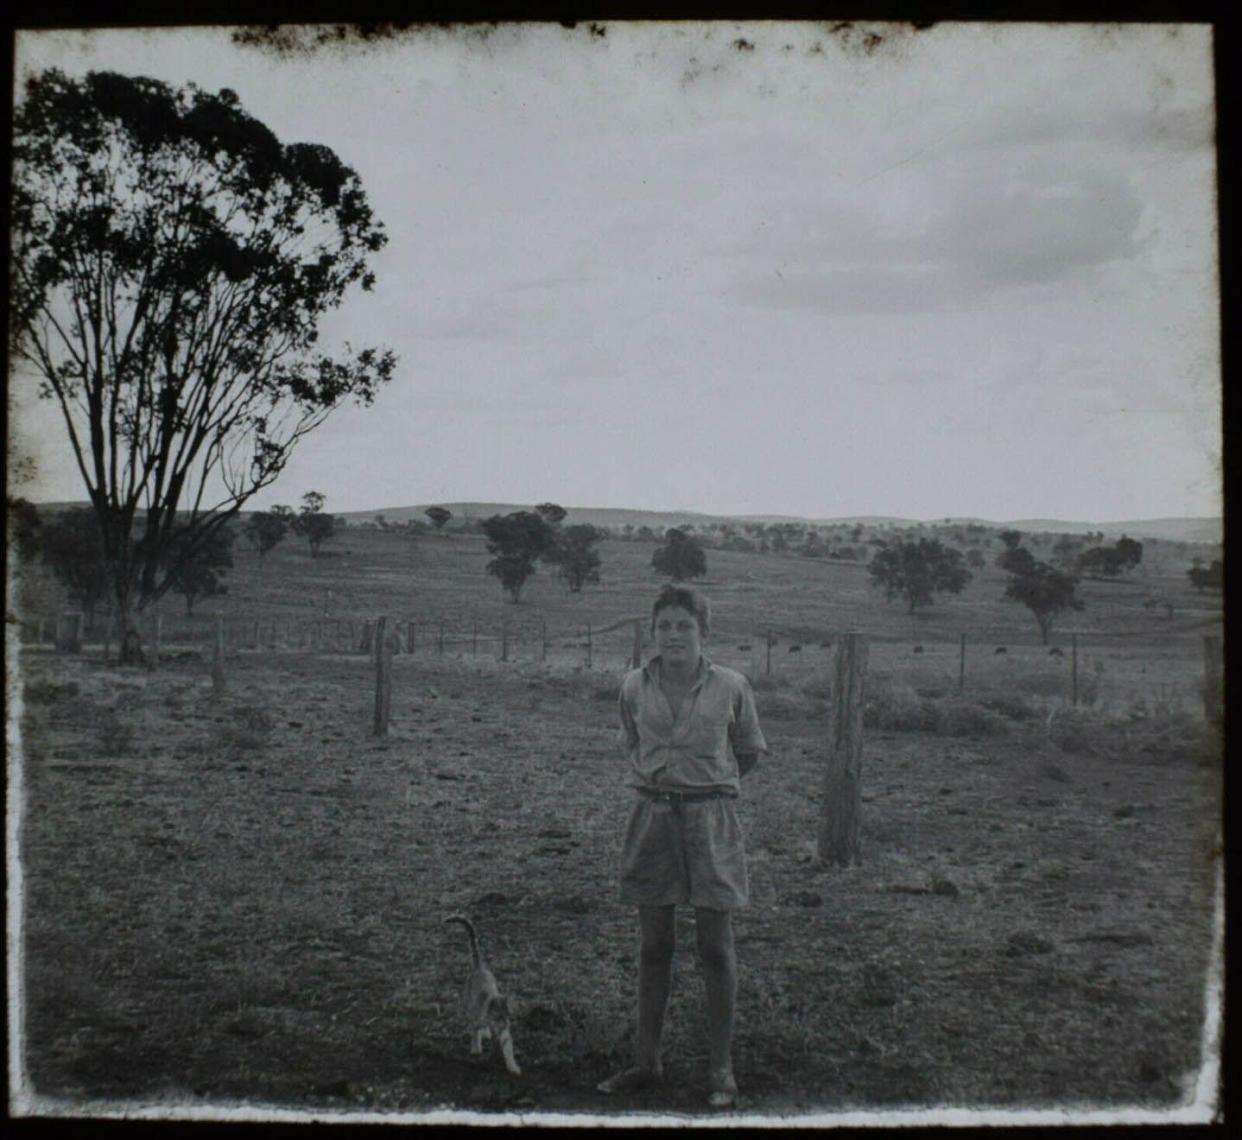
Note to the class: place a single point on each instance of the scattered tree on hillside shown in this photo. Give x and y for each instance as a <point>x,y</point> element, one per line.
<point>72,547</point>
<point>170,264</point>
<point>1111,561</point>
<point>438,516</point>
<point>517,540</point>
<point>975,559</point>
<point>1065,552</point>
<point>918,570</point>
<point>573,553</point>
<point>312,524</point>
<point>551,513</point>
<point>1046,591</point>
<point>267,529</point>
<point>681,557</point>
<point>1211,578</point>
<point>195,569</point>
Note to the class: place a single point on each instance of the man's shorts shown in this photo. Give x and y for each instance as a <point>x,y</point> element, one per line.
<point>687,853</point>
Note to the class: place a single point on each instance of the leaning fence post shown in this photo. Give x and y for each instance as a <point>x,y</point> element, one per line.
<point>840,808</point>
<point>504,642</point>
<point>544,634</point>
<point>588,645</point>
<point>368,637</point>
<point>217,660</point>
<point>769,665</point>
<point>409,636</point>
<point>961,668</point>
<point>1213,692</point>
<point>383,679</point>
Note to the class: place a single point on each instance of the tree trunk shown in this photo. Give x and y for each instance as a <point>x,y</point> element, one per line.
<point>132,651</point>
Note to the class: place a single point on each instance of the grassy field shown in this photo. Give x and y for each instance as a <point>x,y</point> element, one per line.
<point>238,898</point>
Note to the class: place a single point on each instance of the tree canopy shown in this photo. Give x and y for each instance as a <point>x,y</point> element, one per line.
<point>267,529</point>
<point>1111,561</point>
<point>196,570</point>
<point>171,261</point>
<point>574,555</point>
<point>681,557</point>
<point>312,523</point>
<point>517,540</point>
<point>71,547</point>
<point>917,571</point>
<point>1046,591</point>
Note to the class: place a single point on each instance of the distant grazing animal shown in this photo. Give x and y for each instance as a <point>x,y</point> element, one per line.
<point>1000,649</point>
<point>1055,652</point>
<point>825,645</point>
<point>744,648</point>
<point>918,649</point>
<point>488,1011</point>
<point>795,649</point>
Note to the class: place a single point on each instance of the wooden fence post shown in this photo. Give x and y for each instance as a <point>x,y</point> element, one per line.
<point>504,641</point>
<point>769,665</point>
<point>107,645</point>
<point>217,660</point>
<point>588,645</point>
<point>636,658</point>
<point>440,639</point>
<point>544,634</point>
<point>410,636</point>
<point>383,679</point>
<point>1074,668</point>
<point>474,639</point>
<point>157,628</point>
<point>367,641</point>
<point>961,669</point>
<point>1213,691</point>
<point>840,810</point>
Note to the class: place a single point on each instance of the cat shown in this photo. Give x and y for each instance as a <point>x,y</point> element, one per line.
<point>488,1011</point>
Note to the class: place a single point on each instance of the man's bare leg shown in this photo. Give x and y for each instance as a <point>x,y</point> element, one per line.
<point>655,971</point>
<point>714,935</point>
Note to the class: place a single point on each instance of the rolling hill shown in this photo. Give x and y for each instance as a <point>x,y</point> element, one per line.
<point>1170,529</point>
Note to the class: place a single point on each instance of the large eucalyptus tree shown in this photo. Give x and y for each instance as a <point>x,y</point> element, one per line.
<point>171,263</point>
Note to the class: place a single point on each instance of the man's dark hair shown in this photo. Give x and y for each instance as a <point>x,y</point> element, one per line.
<point>687,599</point>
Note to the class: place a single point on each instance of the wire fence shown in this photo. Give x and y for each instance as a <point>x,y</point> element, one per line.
<point>1183,661</point>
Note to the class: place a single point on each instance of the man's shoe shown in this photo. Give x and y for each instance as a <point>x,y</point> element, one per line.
<point>723,1089</point>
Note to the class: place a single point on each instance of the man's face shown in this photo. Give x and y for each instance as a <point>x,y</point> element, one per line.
<point>677,636</point>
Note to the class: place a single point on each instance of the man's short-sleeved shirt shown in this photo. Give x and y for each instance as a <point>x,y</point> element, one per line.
<point>698,747</point>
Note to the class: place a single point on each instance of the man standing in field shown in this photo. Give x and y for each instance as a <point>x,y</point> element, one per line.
<point>691,732</point>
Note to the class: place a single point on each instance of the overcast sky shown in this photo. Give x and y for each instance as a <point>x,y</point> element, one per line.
<point>964,271</point>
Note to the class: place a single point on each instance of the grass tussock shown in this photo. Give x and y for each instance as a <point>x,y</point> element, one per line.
<point>896,706</point>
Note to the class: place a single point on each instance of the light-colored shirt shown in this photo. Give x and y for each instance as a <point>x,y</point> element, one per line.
<point>696,748</point>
